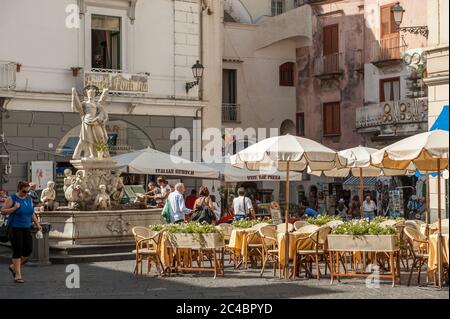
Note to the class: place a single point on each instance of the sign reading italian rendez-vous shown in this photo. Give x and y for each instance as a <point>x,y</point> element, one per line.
<point>117,82</point>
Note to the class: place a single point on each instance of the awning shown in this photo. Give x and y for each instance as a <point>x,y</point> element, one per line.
<point>152,162</point>
<point>354,181</point>
<point>441,122</point>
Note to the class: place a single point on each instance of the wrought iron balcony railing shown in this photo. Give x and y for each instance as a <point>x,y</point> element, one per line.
<point>7,75</point>
<point>230,112</point>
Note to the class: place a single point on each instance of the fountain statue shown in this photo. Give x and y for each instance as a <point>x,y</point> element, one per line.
<point>91,157</point>
<point>48,196</point>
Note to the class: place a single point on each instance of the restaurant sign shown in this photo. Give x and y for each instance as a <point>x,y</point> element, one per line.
<point>117,82</point>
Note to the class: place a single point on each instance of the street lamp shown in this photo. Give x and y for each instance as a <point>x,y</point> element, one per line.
<point>397,12</point>
<point>197,71</point>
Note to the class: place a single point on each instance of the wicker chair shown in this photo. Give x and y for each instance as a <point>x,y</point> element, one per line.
<point>319,239</point>
<point>299,224</point>
<point>334,223</point>
<point>147,247</point>
<point>281,228</point>
<point>270,250</point>
<point>415,240</point>
<point>388,223</point>
<point>308,229</point>
<point>254,244</point>
<point>226,229</point>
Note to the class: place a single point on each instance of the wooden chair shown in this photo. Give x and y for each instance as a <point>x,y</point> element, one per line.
<point>415,239</point>
<point>319,251</point>
<point>226,229</point>
<point>299,224</point>
<point>254,244</point>
<point>281,228</point>
<point>148,246</point>
<point>270,250</point>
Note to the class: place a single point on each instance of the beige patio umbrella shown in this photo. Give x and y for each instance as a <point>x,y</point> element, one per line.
<point>428,152</point>
<point>287,153</point>
<point>358,164</point>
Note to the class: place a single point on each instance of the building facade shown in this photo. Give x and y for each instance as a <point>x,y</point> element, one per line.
<point>143,51</point>
<point>437,83</point>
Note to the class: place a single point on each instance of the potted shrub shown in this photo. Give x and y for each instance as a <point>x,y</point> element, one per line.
<point>18,65</point>
<point>75,70</point>
<point>101,150</point>
<point>192,235</point>
<point>363,236</point>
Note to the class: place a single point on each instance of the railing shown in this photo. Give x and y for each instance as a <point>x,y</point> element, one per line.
<point>392,112</point>
<point>388,48</point>
<point>329,64</point>
<point>230,112</point>
<point>7,75</point>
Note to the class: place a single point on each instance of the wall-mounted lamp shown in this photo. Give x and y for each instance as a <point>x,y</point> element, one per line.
<point>197,71</point>
<point>132,11</point>
<point>397,12</point>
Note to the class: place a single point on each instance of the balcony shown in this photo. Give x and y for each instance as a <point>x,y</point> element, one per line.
<point>231,112</point>
<point>7,75</point>
<point>329,66</point>
<point>393,117</point>
<point>387,50</point>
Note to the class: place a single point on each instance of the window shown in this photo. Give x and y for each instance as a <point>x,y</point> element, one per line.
<point>287,74</point>
<point>387,24</point>
<point>301,124</point>
<point>330,39</point>
<point>331,118</point>
<point>229,95</point>
<point>390,89</point>
<point>277,7</point>
<point>105,42</point>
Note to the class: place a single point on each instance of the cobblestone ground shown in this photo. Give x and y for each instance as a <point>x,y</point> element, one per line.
<point>115,280</point>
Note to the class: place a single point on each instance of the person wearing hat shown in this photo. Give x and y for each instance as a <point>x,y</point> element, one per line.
<point>341,209</point>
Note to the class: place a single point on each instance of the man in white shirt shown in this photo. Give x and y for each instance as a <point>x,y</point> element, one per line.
<point>370,208</point>
<point>177,208</point>
<point>242,206</point>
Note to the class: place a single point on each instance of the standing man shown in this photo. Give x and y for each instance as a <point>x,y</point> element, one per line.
<point>369,208</point>
<point>242,206</point>
<point>177,208</point>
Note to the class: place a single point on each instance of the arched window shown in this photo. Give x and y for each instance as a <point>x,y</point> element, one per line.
<point>287,74</point>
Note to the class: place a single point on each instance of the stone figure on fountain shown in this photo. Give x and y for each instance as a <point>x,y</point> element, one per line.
<point>48,196</point>
<point>102,200</point>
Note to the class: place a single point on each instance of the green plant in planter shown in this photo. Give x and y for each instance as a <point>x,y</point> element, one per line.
<point>101,147</point>
<point>363,228</point>
<point>245,223</point>
<point>322,219</point>
<point>380,219</point>
<point>193,228</point>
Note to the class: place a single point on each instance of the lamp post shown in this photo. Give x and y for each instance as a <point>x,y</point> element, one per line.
<point>397,13</point>
<point>197,71</point>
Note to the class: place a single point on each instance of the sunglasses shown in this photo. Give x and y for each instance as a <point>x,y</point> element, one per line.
<point>24,191</point>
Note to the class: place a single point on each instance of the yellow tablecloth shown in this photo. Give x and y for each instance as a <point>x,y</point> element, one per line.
<point>306,245</point>
<point>166,254</point>
<point>433,258</point>
<point>238,241</point>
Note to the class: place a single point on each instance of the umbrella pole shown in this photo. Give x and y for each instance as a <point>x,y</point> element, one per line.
<point>286,233</point>
<point>361,192</point>
<point>439,248</point>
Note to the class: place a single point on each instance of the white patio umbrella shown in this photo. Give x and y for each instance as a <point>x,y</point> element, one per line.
<point>229,173</point>
<point>152,162</point>
<point>358,164</point>
<point>287,153</point>
<point>428,152</point>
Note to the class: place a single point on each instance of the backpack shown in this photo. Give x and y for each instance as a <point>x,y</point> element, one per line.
<point>204,215</point>
<point>165,213</point>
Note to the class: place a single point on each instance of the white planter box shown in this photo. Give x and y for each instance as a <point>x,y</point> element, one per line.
<point>197,241</point>
<point>376,243</point>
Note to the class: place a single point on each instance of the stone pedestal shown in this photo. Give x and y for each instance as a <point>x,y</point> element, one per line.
<point>97,227</point>
<point>82,188</point>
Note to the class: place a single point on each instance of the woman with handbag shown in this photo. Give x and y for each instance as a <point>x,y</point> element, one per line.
<point>204,207</point>
<point>20,213</point>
